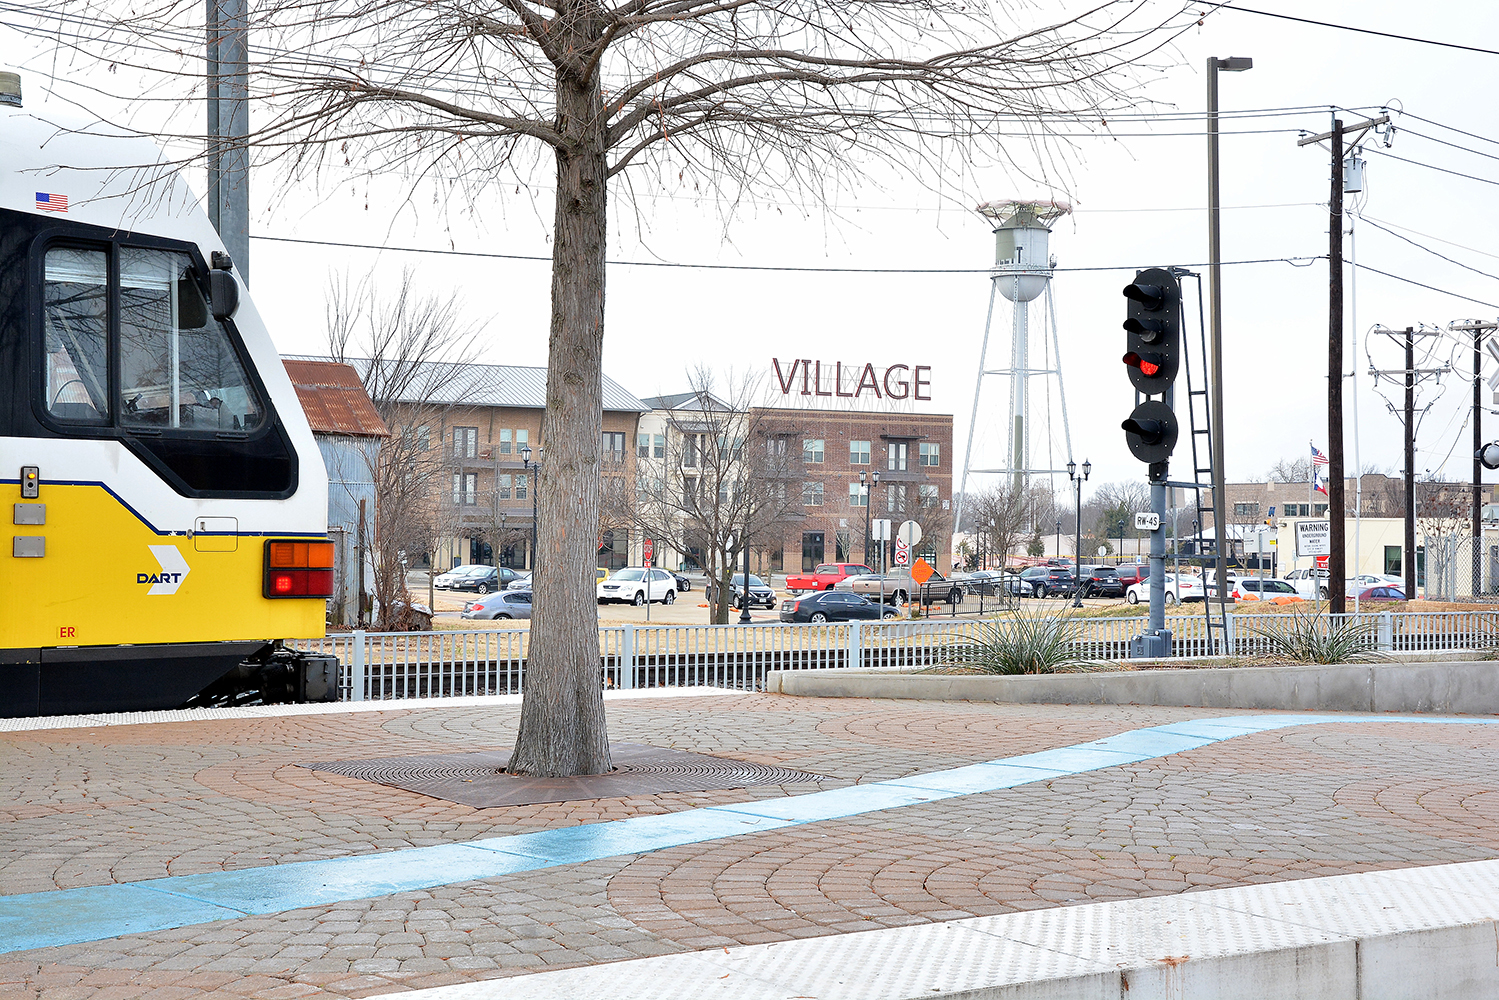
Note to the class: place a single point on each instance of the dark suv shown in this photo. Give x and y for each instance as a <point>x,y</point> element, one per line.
<point>1046,580</point>
<point>1102,581</point>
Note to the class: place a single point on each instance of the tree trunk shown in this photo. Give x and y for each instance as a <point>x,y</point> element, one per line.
<point>562,729</point>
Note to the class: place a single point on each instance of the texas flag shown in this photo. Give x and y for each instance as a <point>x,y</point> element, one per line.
<point>1317,483</point>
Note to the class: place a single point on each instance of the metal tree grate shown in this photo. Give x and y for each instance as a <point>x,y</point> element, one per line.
<point>478,779</point>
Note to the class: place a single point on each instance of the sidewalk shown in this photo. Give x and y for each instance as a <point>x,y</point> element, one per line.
<point>97,805</point>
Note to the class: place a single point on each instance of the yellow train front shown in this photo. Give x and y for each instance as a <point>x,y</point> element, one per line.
<point>168,502</point>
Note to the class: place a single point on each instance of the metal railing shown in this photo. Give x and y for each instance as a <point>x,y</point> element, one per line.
<point>396,665</point>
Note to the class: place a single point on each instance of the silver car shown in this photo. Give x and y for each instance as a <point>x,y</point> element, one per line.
<point>501,604</point>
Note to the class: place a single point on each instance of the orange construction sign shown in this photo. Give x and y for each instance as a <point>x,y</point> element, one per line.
<point>922,572</point>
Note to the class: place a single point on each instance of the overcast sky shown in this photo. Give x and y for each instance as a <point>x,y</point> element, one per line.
<point>1140,201</point>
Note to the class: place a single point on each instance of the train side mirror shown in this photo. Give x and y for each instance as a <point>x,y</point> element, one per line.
<point>223,290</point>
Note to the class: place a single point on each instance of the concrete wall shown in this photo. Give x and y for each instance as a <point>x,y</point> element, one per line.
<point>1469,687</point>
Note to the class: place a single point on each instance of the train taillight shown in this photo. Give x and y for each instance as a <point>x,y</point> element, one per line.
<point>298,569</point>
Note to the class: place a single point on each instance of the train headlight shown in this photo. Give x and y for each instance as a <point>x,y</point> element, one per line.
<point>298,569</point>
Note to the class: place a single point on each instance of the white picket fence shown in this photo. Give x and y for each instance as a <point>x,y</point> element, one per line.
<point>395,665</point>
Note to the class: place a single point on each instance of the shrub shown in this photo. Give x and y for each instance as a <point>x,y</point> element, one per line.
<point>1020,645</point>
<point>1320,639</point>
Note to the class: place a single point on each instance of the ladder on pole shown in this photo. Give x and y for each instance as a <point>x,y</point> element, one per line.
<point>1199,423</point>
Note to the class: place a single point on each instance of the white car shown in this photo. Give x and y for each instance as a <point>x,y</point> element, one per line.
<point>1252,588</point>
<point>1309,583</point>
<point>636,586</point>
<point>1364,581</point>
<point>1184,588</point>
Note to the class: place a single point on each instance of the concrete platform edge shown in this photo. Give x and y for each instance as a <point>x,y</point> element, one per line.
<point>1469,687</point>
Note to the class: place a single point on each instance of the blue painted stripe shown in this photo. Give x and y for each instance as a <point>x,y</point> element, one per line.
<point>75,916</point>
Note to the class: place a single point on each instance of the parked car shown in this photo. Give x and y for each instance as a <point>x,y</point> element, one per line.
<point>600,574</point>
<point>683,584</point>
<point>1309,583</point>
<point>1386,592</point>
<point>760,594</point>
<point>636,585</point>
<point>522,581</point>
<point>1133,573</point>
<point>824,577</point>
<point>898,588</point>
<point>1047,580</point>
<point>453,577</point>
<point>505,604</point>
<point>1253,588</point>
<point>1177,589</point>
<point>1101,581</point>
<point>833,606</point>
<point>993,583</point>
<point>1364,581</point>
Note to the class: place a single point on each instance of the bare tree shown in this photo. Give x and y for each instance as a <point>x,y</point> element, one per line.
<point>728,472</point>
<point>1297,470</point>
<point>735,97</point>
<point>411,352</point>
<point>1000,516</point>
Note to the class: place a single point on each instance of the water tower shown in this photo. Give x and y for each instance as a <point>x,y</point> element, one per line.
<point>1022,274</point>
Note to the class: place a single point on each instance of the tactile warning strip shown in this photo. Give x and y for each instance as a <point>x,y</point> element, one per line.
<point>478,779</point>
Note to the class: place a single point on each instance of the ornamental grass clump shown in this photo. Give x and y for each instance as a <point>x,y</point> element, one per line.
<point>1020,645</point>
<point>1320,639</point>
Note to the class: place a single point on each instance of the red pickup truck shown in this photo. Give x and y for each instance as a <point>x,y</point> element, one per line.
<point>825,576</point>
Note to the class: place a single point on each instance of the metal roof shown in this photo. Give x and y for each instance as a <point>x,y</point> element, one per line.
<point>334,399</point>
<point>487,385</point>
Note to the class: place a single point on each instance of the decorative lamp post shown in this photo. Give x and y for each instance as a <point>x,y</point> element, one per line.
<point>868,491</point>
<point>1077,545</point>
<point>1059,538</point>
<point>533,469</point>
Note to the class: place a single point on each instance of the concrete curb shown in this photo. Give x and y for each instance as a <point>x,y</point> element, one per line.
<point>1468,687</point>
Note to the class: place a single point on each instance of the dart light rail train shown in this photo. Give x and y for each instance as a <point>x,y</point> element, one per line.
<point>168,502</point>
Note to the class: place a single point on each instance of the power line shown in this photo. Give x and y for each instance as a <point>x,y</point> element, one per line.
<point>1349,27</point>
<point>1428,166</point>
<point>1441,142</point>
<point>1429,250</point>
<point>756,267</point>
<point>1471,135</point>
<point>1450,243</point>
<point>1432,288</point>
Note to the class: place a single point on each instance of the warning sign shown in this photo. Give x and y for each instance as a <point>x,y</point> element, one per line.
<point>922,572</point>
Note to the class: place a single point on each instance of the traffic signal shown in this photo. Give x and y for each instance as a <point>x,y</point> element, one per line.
<point>1151,431</point>
<point>1488,455</point>
<point>1153,345</point>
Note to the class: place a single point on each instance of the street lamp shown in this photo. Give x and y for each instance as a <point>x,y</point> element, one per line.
<point>1077,545</point>
<point>1059,538</point>
<point>868,490</point>
<point>533,469</point>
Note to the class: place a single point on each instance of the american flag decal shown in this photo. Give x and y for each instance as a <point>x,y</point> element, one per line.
<point>51,202</point>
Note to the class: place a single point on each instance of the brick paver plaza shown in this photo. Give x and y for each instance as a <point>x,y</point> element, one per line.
<point>124,803</point>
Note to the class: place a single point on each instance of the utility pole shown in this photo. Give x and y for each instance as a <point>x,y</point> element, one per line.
<point>1337,510</point>
<point>1410,463</point>
<point>1477,328</point>
<point>229,129</point>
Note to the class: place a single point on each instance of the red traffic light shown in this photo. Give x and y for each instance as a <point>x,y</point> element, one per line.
<point>1149,364</point>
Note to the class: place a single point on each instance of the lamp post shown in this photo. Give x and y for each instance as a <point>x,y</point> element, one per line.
<point>1059,538</point>
<point>533,470</point>
<point>868,491</point>
<point>744,598</point>
<point>1077,545</point>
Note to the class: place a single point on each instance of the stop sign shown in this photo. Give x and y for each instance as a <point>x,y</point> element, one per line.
<point>649,550</point>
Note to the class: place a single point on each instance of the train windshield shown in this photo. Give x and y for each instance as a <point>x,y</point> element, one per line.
<point>178,368</point>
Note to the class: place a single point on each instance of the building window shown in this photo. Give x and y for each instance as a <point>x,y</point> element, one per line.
<point>522,483</point>
<point>931,453</point>
<point>812,450</point>
<point>812,549</point>
<point>927,495</point>
<point>465,442</point>
<point>857,497</point>
<point>895,498</point>
<point>614,446</point>
<point>775,447</point>
<point>1246,510</point>
<point>505,442</point>
<point>811,494</point>
<point>642,446</point>
<point>897,452</point>
<point>843,546</point>
<point>465,488</point>
<point>419,438</point>
<point>1319,509</point>
<point>502,486</point>
<point>658,446</point>
<point>858,453</point>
